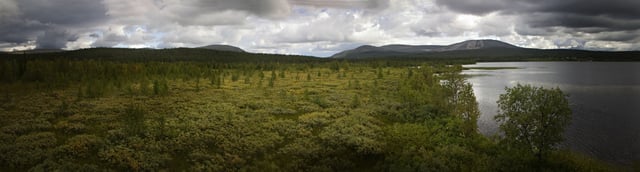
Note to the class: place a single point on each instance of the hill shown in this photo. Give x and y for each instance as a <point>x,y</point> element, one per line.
<point>109,51</point>
<point>387,50</point>
<point>162,55</point>
<point>404,50</point>
<point>471,50</point>
<point>482,50</point>
<point>223,48</point>
<point>476,44</point>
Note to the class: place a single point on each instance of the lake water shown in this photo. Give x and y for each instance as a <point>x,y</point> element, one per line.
<point>604,97</point>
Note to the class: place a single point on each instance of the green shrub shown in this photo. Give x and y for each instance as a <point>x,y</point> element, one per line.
<point>358,132</point>
<point>51,165</point>
<point>78,147</point>
<point>63,110</point>
<point>27,125</point>
<point>355,101</point>
<point>315,119</point>
<point>29,150</point>
<point>133,120</point>
<point>130,159</point>
<point>160,87</point>
<point>70,127</point>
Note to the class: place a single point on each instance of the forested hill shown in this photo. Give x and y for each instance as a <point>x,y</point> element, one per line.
<point>224,48</point>
<point>483,50</point>
<point>523,54</point>
<point>166,55</point>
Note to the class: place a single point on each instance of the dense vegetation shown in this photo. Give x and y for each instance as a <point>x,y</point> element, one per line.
<point>533,118</point>
<point>66,112</point>
<point>511,54</point>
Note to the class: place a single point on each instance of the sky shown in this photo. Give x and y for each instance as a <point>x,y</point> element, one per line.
<point>316,27</point>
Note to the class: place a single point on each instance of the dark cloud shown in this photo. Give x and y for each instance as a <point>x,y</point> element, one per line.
<point>610,8</point>
<point>621,9</point>
<point>622,36</point>
<point>63,12</point>
<point>614,14</point>
<point>547,17</point>
<point>478,7</point>
<point>19,31</point>
<point>369,4</point>
<point>94,35</point>
<point>56,23</point>
<point>526,30</point>
<point>265,8</point>
<point>54,39</point>
<point>48,22</point>
<point>581,21</point>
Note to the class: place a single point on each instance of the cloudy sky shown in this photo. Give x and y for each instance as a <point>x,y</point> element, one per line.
<point>316,27</point>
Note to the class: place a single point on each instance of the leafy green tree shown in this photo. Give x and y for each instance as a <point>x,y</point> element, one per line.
<point>463,101</point>
<point>533,118</point>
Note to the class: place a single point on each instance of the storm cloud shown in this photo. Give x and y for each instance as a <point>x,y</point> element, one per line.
<point>48,23</point>
<point>316,27</point>
<point>616,21</point>
<point>610,15</point>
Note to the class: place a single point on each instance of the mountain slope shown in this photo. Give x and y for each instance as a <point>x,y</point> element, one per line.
<point>477,44</point>
<point>403,50</point>
<point>365,49</point>
<point>412,48</point>
<point>483,50</point>
<point>223,48</point>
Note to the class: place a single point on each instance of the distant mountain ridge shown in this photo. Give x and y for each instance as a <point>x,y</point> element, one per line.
<point>223,48</point>
<point>216,47</point>
<point>403,50</point>
<point>472,50</point>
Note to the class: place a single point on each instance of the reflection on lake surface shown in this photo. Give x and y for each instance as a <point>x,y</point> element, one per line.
<point>604,97</point>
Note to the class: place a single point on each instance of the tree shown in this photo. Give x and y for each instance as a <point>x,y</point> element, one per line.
<point>463,101</point>
<point>533,118</point>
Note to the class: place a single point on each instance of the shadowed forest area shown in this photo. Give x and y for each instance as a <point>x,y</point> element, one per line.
<point>203,110</point>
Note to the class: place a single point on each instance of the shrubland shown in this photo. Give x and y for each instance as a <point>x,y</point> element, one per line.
<point>75,114</point>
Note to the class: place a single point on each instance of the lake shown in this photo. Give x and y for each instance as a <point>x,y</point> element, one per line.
<point>604,98</point>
